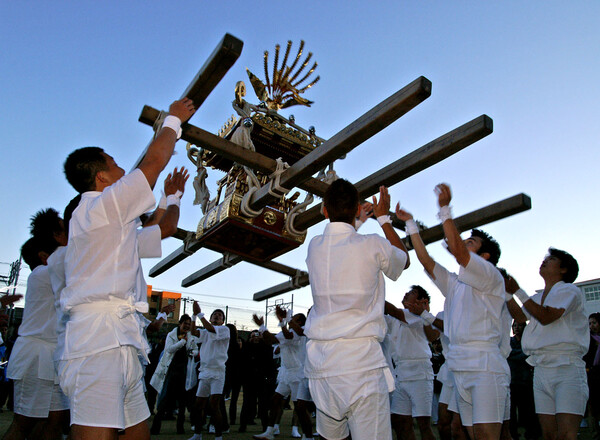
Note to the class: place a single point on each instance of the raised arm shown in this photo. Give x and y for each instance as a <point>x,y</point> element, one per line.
<point>161,318</point>
<point>282,317</point>
<point>161,148</point>
<point>174,189</point>
<point>413,230</point>
<point>205,323</point>
<point>381,208</point>
<point>395,312</point>
<point>266,334</point>
<point>544,314</point>
<point>456,245</point>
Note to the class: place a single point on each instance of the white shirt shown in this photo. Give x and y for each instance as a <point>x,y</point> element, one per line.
<point>34,348</point>
<point>412,348</point>
<point>102,255</point>
<point>101,269</point>
<point>473,321</point>
<point>213,351</point>
<point>564,341</point>
<point>149,246</point>
<point>56,271</point>
<point>293,356</point>
<point>346,324</point>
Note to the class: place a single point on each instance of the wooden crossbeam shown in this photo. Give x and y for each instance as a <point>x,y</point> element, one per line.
<point>349,138</point>
<point>282,288</point>
<point>488,214</point>
<point>231,151</point>
<point>409,165</point>
<point>414,162</point>
<point>214,268</point>
<point>229,260</point>
<point>210,74</point>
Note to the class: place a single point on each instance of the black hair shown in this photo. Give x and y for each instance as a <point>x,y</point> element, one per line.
<point>567,261</point>
<point>341,201</point>
<point>81,168</point>
<point>595,316</point>
<point>32,247</point>
<point>488,245</point>
<point>218,310</point>
<point>302,318</point>
<point>184,317</point>
<point>68,213</point>
<point>421,293</point>
<point>45,224</point>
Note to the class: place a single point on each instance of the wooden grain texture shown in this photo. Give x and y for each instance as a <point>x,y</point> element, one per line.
<point>369,124</point>
<point>414,162</point>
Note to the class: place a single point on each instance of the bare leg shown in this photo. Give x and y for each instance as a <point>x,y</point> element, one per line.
<point>403,426</point>
<point>568,425</point>
<point>424,424</point>
<point>459,432</point>
<point>141,431</point>
<point>21,427</point>
<point>300,406</point>
<point>487,431</point>
<point>217,416</point>
<point>444,422</point>
<point>80,432</point>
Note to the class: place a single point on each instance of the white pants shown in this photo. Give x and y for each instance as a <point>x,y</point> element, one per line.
<point>561,389</point>
<point>482,397</point>
<point>354,403</point>
<point>36,397</point>
<point>105,389</point>
<point>413,398</point>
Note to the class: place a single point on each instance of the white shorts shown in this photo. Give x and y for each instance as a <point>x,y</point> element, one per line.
<point>561,389</point>
<point>288,389</point>
<point>105,389</point>
<point>413,398</point>
<point>357,403</point>
<point>482,397</point>
<point>36,397</point>
<point>304,391</point>
<point>210,385</point>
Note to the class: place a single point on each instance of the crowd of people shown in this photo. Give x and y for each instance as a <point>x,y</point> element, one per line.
<point>82,365</point>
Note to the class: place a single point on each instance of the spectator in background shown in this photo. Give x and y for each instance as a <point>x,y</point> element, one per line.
<point>233,372</point>
<point>592,365</point>
<point>522,408</point>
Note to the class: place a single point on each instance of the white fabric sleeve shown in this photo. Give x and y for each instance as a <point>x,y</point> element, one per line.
<point>443,279</point>
<point>412,321</point>
<point>128,198</point>
<point>280,337</point>
<point>221,332</point>
<point>563,296</point>
<point>391,259</point>
<point>481,275</point>
<point>149,242</point>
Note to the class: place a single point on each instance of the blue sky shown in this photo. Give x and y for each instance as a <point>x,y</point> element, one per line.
<point>78,73</point>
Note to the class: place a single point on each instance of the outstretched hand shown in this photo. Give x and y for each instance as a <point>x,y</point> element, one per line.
<point>444,194</point>
<point>403,215</point>
<point>510,284</point>
<point>196,308</point>
<point>176,180</point>
<point>183,109</point>
<point>169,308</point>
<point>381,206</point>
<point>9,299</point>
<point>366,211</point>
<point>258,320</point>
<point>280,313</point>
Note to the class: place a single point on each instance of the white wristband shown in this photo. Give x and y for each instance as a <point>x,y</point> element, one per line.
<point>262,329</point>
<point>162,204</point>
<point>199,316</point>
<point>427,317</point>
<point>383,219</point>
<point>172,199</point>
<point>523,297</point>
<point>161,315</point>
<point>357,224</point>
<point>282,323</point>
<point>174,123</point>
<point>445,213</point>
<point>411,227</point>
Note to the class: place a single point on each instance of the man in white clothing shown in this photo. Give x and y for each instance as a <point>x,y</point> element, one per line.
<point>99,368</point>
<point>473,321</point>
<point>556,339</point>
<point>348,375</point>
<point>413,395</point>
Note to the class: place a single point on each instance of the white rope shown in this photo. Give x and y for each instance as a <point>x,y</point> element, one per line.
<point>275,188</point>
<point>298,209</point>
